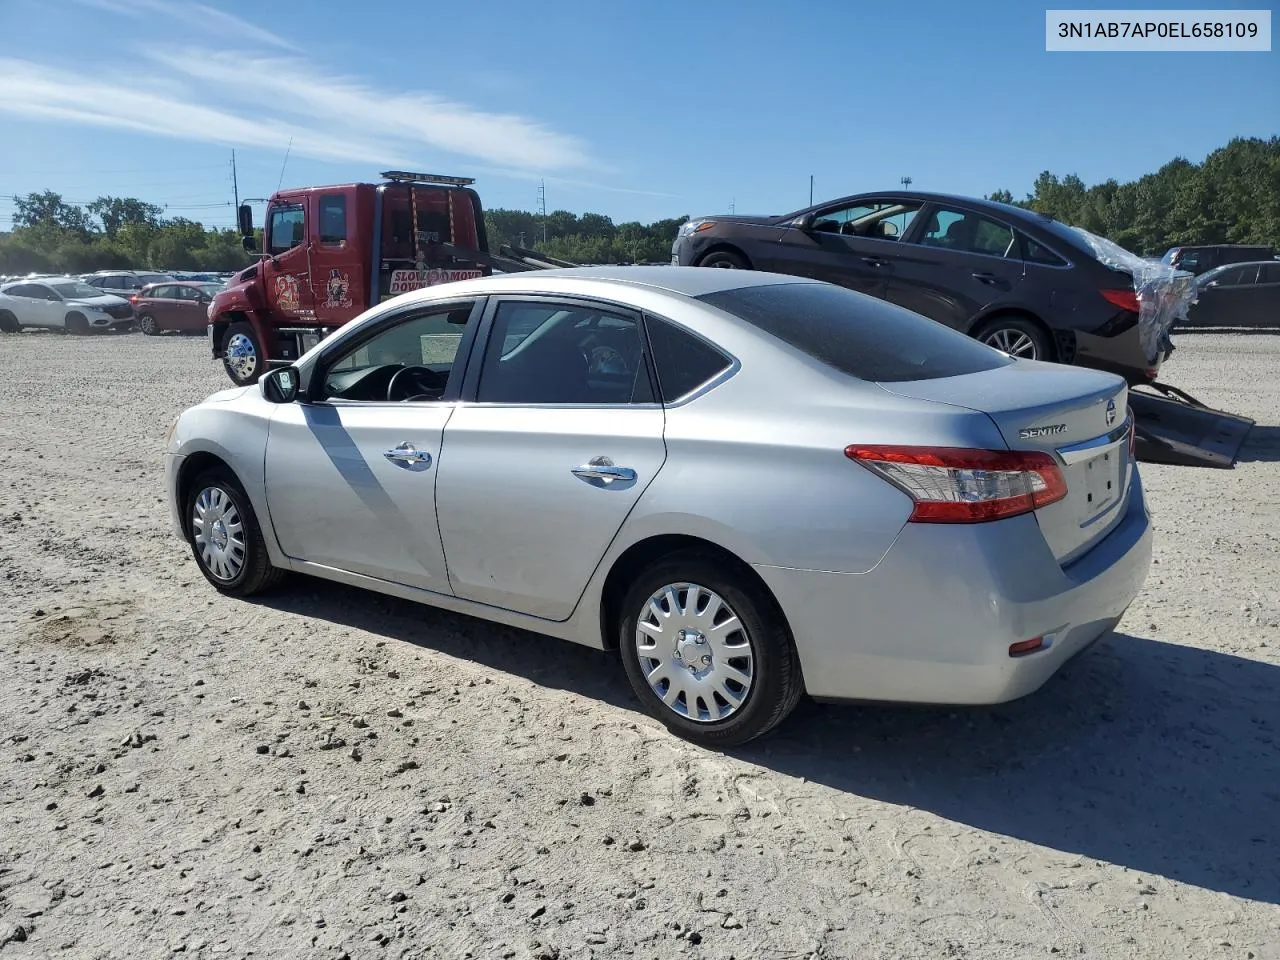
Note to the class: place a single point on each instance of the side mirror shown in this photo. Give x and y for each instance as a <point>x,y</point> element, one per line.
<point>804,222</point>
<point>244,217</point>
<point>280,385</point>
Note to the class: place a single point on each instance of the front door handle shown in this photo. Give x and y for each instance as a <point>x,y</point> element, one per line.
<point>408,453</point>
<point>984,277</point>
<point>874,261</point>
<point>602,469</point>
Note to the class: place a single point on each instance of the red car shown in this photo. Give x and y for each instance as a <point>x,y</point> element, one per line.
<point>180,305</point>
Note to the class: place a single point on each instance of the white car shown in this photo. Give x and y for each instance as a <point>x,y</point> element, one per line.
<point>61,303</point>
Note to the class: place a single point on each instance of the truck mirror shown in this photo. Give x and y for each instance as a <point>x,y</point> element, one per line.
<point>245,214</point>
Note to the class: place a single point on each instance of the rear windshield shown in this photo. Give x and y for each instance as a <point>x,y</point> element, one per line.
<point>857,335</point>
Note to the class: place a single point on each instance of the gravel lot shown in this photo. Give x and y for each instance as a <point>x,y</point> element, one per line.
<point>329,773</point>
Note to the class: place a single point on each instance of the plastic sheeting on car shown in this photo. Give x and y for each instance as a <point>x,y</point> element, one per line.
<point>1164,293</point>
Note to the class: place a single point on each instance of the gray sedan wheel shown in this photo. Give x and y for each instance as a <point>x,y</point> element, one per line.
<point>225,537</point>
<point>706,652</point>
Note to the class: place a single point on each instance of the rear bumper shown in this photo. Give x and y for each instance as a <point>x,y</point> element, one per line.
<point>933,621</point>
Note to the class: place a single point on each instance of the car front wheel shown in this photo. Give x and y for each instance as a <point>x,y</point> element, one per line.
<point>225,536</point>
<point>725,260</point>
<point>706,653</point>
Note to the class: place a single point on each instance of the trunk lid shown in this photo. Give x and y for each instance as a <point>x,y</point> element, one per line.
<point>1078,416</point>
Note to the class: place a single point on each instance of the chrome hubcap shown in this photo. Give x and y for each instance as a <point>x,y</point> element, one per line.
<point>1013,342</point>
<point>218,533</point>
<point>724,265</point>
<point>241,357</point>
<point>695,652</point>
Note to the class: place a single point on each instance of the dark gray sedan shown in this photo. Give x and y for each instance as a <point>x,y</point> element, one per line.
<point>1238,295</point>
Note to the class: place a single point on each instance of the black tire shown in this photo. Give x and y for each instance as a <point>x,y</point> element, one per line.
<point>1012,333</point>
<point>254,574</point>
<point>776,682</point>
<point>9,323</point>
<point>237,336</point>
<point>725,260</point>
<point>147,324</point>
<point>77,324</point>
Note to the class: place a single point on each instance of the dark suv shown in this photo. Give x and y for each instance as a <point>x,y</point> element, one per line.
<point>1015,279</point>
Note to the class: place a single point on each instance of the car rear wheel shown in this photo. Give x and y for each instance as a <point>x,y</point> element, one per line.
<point>243,361</point>
<point>77,323</point>
<point>725,260</point>
<point>706,653</point>
<point>147,324</point>
<point>1017,337</point>
<point>225,536</point>
<point>8,322</point>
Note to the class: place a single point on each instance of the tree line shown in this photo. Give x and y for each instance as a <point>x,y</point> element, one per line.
<point>1233,196</point>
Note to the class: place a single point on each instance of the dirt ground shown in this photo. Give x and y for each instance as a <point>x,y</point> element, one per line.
<point>328,773</point>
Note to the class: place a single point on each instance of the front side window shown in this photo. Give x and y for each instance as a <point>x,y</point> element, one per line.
<point>410,361</point>
<point>541,352</point>
<point>285,227</point>
<point>857,335</point>
<point>879,220</point>
<point>333,219</point>
<point>967,232</point>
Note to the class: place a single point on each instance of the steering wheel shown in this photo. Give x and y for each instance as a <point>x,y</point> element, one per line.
<point>417,383</point>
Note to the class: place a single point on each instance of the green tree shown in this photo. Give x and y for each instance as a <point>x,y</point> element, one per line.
<point>116,212</point>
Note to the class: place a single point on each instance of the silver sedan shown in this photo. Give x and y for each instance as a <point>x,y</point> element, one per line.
<point>751,486</point>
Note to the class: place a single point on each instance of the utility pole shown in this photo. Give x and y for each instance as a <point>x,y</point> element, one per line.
<point>811,189</point>
<point>542,207</point>
<point>235,186</point>
<point>731,207</point>
<point>906,183</point>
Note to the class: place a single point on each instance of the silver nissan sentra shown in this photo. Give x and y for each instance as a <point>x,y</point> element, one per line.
<point>752,486</point>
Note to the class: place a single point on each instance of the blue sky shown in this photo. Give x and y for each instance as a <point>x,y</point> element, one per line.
<point>638,111</point>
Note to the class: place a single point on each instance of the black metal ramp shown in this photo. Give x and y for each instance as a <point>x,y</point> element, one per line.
<point>1174,427</point>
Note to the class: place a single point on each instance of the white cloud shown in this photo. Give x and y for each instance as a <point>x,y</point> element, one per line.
<point>293,86</point>
<point>194,16</point>
<point>33,91</point>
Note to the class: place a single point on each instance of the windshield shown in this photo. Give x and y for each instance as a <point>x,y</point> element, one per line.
<point>75,290</point>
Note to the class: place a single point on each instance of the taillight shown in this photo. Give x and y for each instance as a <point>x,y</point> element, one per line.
<point>1124,299</point>
<point>134,299</point>
<point>961,485</point>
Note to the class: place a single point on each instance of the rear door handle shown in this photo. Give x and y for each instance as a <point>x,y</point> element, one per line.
<point>408,453</point>
<point>984,277</point>
<point>602,469</point>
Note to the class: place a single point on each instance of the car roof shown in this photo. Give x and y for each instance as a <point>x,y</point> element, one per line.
<point>685,281</point>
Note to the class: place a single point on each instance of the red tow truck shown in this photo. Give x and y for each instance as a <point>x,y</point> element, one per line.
<point>329,253</point>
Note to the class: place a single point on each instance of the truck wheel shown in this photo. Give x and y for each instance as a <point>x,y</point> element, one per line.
<point>244,360</point>
<point>77,323</point>
<point>725,260</point>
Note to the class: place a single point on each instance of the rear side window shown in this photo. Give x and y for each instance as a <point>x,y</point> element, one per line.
<point>857,335</point>
<point>1033,252</point>
<point>333,219</point>
<point>1269,273</point>
<point>683,362</point>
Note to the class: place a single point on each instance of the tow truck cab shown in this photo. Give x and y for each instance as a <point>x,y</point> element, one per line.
<point>329,253</point>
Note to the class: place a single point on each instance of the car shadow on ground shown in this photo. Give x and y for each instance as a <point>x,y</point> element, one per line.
<point>1262,445</point>
<point>1159,757</point>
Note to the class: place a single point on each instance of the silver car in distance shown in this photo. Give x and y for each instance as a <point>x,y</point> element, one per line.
<point>752,486</point>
